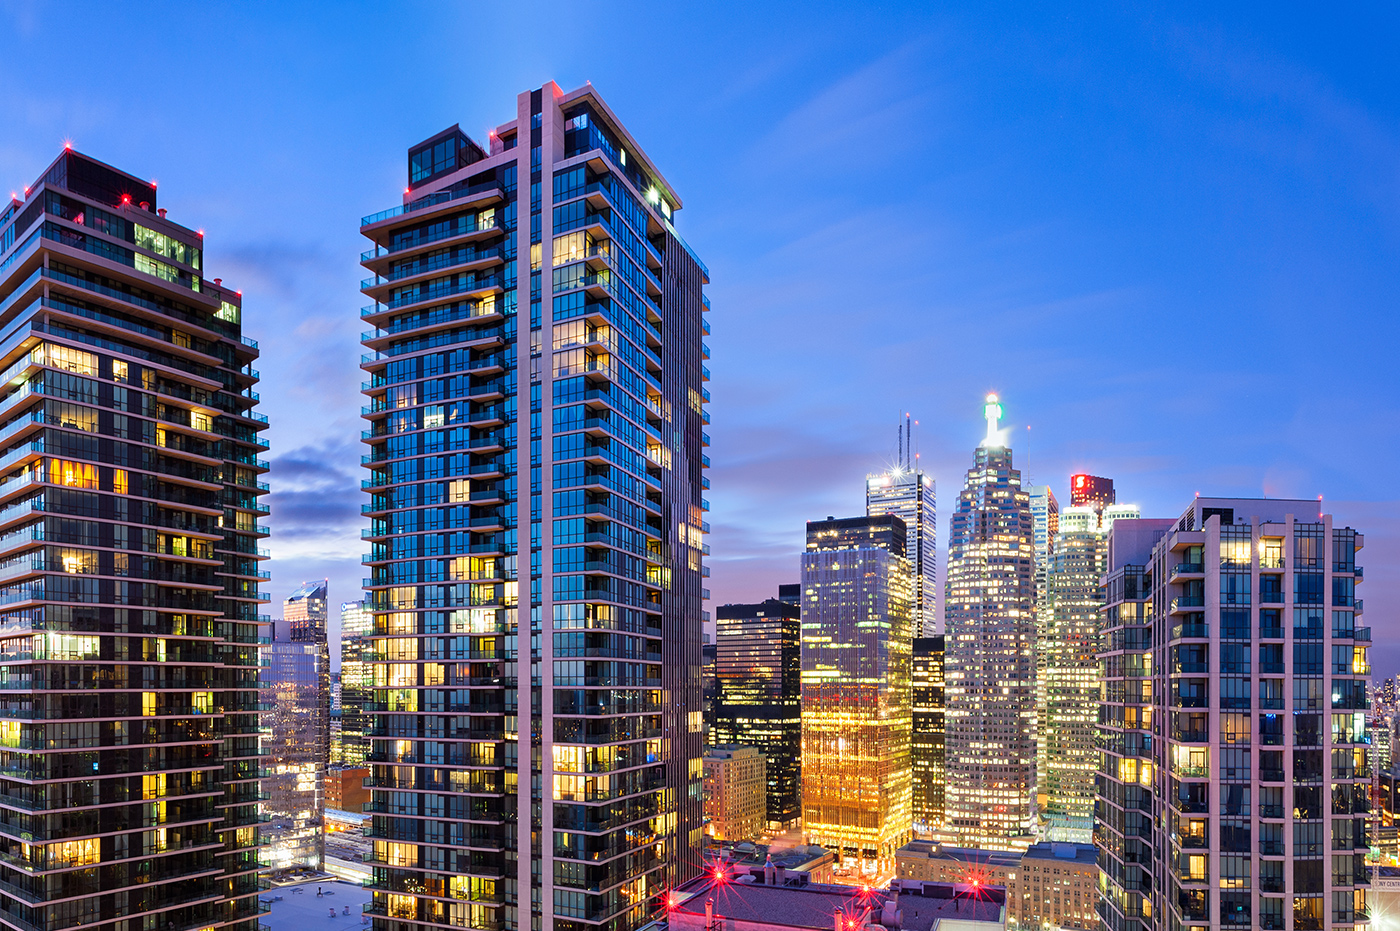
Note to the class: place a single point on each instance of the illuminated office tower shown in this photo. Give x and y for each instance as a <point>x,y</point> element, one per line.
<point>908,493</point>
<point>926,746</point>
<point>536,529</point>
<point>296,771</point>
<point>129,489</point>
<point>856,642</point>
<point>1068,666</point>
<point>1235,781</point>
<point>307,618</point>
<point>1045,523</point>
<point>1088,490</point>
<point>758,673</point>
<point>990,691</point>
<point>356,681</point>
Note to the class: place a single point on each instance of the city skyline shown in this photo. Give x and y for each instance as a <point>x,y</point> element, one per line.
<point>1268,214</point>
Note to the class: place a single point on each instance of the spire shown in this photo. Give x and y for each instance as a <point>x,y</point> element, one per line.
<point>992,410</point>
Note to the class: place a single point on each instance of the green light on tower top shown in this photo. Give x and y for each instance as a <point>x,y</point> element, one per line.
<point>993,412</point>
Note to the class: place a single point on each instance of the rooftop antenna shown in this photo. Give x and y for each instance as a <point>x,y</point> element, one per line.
<point>899,455</point>
<point>910,432</point>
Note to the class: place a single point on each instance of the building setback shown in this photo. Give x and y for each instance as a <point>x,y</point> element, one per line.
<point>759,694</point>
<point>1234,789</point>
<point>856,641</point>
<point>536,529</point>
<point>990,669</point>
<point>926,753</point>
<point>129,488</point>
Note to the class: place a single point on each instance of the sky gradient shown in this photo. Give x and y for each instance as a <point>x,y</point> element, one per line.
<point>1171,242</point>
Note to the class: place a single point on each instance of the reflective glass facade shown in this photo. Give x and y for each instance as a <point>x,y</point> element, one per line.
<point>927,746</point>
<point>1068,672</point>
<point>758,672</point>
<point>129,508</point>
<point>356,682</point>
<point>537,525</point>
<point>307,619</point>
<point>296,771</point>
<point>912,496</point>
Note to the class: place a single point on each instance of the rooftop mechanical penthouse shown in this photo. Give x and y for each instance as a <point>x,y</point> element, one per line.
<point>129,490</point>
<point>536,524</point>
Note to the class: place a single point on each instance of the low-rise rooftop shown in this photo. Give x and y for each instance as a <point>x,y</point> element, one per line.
<point>768,898</point>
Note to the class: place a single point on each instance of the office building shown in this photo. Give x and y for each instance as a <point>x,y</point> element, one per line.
<point>129,508</point>
<point>736,793</point>
<point>709,689</point>
<point>537,523</point>
<point>1235,779</point>
<point>791,594</point>
<point>926,745</point>
<point>1068,666</point>
<point>1048,885</point>
<point>856,724</point>
<point>908,493</point>
<point>295,784</point>
<point>1087,490</point>
<point>1045,523</point>
<point>356,682</point>
<point>990,751</point>
<point>759,696</point>
<point>305,614</point>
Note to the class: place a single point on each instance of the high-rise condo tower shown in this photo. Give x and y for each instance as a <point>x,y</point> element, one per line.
<point>1235,778</point>
<point>129,490</point>
<point>536,529</point>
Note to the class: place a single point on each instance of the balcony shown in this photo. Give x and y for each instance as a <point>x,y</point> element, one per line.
<point>1183,603</point>
<point>486,191</point>
<point>1187,569</point>
<point>1198,630</point>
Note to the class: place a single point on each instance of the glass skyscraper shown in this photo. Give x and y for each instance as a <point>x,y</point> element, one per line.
<point>129,508</point>
<point>929,726</point>
<point>856,641</point>
<point>356,681</point>
<point>306,617</point>
<point>1235,778</point>
<point>1068,672</point>
<point>536,529</point>
<point>990,689</point>
<point>758,672</point>
<point>910,494</point>
<point>296,769</point>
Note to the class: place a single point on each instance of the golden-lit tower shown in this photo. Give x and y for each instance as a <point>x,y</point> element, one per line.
<point>856,718</point>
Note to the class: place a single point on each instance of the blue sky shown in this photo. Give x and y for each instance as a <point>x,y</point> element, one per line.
<point>1169,239</point>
